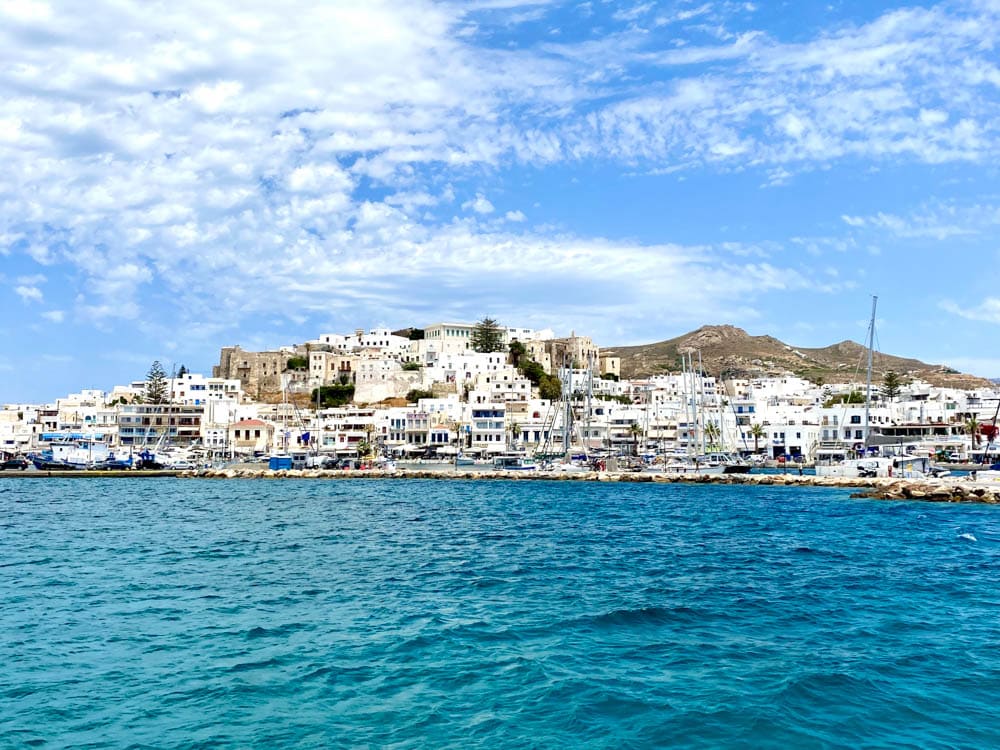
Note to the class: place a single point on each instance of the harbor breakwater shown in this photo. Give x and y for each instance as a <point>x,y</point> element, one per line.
<point>947,489</point>
<point>881,488</point>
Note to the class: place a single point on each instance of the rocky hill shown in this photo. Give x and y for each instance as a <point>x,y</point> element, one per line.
<point>731,352</point>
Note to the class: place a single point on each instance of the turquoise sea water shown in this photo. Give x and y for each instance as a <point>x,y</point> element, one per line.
<point>431,614</point>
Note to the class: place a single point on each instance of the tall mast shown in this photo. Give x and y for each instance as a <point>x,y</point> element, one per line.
<point>691,411</point>
<point>567,418</point>
<point>723,403</point>
<point>868,386</point>
<point>645,415</point>
<point>701,398</point>
<point>590,393</point>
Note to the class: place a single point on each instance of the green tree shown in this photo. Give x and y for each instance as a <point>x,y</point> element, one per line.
<point>411,366</point>
<point>416,394</point>
<point>297,363</point>
<point>892,384</point>
<point>550,387</point>
<point>456,427</point>
<point>155,391</point>
<point>515,432</point>
<point>533,371</point>
<point>635,430</point>
<point>621,399</point>
<point>712,433</point>
<point>182,372</point>
<point>854,397</point>
<point>973,427</point>
<point>515,352</point>
<point>333,395</point>
<point>487,336</point>
<point>757,432</point>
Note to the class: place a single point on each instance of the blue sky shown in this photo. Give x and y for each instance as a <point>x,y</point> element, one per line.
<point>183,176</point>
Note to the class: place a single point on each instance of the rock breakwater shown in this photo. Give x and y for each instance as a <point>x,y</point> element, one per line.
<point>935,490</point>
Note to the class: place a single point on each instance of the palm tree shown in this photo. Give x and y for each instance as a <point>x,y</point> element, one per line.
<point>366,446</point>
<point>515,431</point>
<point>712,433</point>
<point>972,426</point>
<point>757,432</point>
<point>635,430</point>
<point>455,426</point>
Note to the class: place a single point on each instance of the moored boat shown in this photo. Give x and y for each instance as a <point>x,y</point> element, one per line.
<point>514,462</point>
<point>72,455</point>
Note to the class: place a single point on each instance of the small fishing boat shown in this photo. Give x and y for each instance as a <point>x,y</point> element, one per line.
<point>514,462</point>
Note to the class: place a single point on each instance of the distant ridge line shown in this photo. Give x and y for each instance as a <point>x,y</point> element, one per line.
<point>728,351</point>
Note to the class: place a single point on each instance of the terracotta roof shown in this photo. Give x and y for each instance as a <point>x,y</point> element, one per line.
<point>250,423</point>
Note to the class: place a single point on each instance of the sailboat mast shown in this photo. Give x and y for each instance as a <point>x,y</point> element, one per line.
<point>567,418</point>
<point>692,409</point>
<point>868,385</point>
<point>590,394</point>
<point>701,398</point>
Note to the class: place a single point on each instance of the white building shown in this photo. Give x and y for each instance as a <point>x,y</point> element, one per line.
<point>380,339</point>
<point>194,389</point>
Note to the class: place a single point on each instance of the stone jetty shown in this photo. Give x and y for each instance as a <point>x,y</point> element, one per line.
<point>937,490</point>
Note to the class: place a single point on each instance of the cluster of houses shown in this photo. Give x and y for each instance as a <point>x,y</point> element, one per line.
<point>428,394</point>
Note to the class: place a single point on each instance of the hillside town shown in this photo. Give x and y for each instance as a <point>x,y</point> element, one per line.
<point>476,390</point>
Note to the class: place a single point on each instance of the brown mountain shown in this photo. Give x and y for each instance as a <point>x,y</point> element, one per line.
<point>731,352</point>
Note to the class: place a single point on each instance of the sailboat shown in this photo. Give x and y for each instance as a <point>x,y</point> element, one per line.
<point>690,460</point>
<point>279,458</point>
<point>571,458</point>
<point>872,465</point>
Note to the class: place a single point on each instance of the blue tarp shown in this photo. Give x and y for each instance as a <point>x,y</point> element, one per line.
<point>49,436</point>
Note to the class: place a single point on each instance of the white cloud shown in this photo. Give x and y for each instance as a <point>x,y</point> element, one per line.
<point>987,311</point>
<point>26,11</point>
<point>933,117</point>
<point>213,98</point>
<point>28,293</point>
<point>232,157</point>
<point>632,13</point>
<point>319,178</point>
<point>886,91</point>
<point>54,316</point>
<point>479,204</point>
<point>934,220</point>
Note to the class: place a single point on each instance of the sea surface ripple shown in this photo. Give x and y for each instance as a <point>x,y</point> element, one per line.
<point>492,614</point>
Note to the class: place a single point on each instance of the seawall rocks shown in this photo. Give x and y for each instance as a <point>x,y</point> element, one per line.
<point>876,488</point>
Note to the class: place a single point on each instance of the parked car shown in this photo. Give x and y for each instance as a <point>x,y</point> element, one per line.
<point>182,465</point>
<point>16,464</point>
